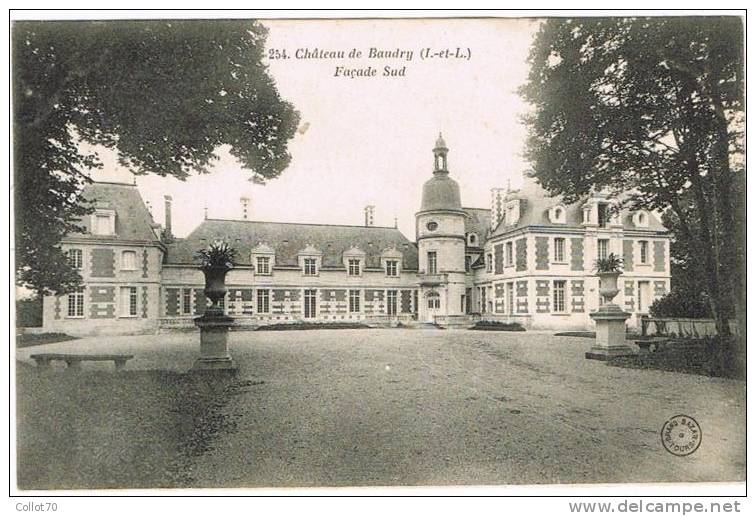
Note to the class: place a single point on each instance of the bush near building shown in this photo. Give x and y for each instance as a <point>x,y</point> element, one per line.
<point>681,303</point>
<point>29,313</point>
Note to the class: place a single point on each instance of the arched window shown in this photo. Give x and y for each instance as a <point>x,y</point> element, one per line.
<point>558,215</point>
<point>472,239</point>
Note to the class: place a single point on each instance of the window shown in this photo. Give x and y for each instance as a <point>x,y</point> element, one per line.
<point>103,224</point>
<point>559,250</point>
<point>510,298</point>
<point>489,262</point>
<point>310,299</point>
<point>509,254</point>
<point>468,261</point>
<point>432,226</point>
<point>128,260</point>
<point>392,268</point>
<point>354,267</point>
<point>75,258</point>
<point>354,301</point>
<point>559,296</point>
<point>263,265</point>
<point>391,302</point>
<point>186,301</point>
<point>128,301</point>
<point>603,214</point>
<point>603,248</point>
<point>643,251</point>
<point>310,267</point>
<point>434,301</point>
<point>263,301</point>
<point>432,262</point>
<point>76,303</point>
<point>473,239</point>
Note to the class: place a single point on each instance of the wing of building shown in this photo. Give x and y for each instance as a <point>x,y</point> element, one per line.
<point>528,258</point>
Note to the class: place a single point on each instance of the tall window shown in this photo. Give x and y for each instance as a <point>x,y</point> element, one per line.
<point>603,248</point>
<point>75,258</point>
<point>186,301</point>
<point>643,251</point>
<point>76,303</point>
<point>128,260</point>
<point>559,250</point>
<point>432,269</point>
<point>391,302</point>
<point>468,261</point>
<point>392,268</point>
<point>310,300</point>
<point>509,254</point>
<point>354,267</point>
<point>354,301</point>
<point>489,262</point>
<point>263,265</point>
<point>128,301</point>
<point>310,266</point>
<point>434,301</point>
<point>559,296</point>
<point>510,298</point>
<point>263,301</point>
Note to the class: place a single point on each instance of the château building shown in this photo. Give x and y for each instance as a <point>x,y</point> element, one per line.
<point>527,258</point>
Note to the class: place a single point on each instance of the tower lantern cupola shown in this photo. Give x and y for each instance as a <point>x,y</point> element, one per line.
<point>439,155</point>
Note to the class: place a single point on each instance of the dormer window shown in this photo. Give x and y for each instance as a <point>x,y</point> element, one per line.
<point>103,222</point>
<point>263,258</point>
<point>558,215</point>
<point>263,265</point>
<point>310,267</point>
<point>640,219</point>
<point>392,268</point>
<point>472,240</point>
<point>354,266</point>
<point>391,259</point>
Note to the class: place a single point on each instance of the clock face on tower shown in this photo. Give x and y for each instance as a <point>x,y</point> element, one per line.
<point>432,225</point>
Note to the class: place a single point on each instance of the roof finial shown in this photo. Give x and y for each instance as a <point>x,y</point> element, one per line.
<point>395,222</point>
<point>205,212</point>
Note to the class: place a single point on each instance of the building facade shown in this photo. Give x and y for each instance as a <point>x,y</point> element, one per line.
<point>528,259</point>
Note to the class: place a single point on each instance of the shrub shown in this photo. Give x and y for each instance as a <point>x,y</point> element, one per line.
<point>29,313</point>
<point>680,303</point>
<point>497,326</point>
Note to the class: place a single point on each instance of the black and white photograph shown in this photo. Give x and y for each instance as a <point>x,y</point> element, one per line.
<point>434,253</point>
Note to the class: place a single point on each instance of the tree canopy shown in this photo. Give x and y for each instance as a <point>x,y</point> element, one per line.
<point>654,107</point>
<point>163,94</point>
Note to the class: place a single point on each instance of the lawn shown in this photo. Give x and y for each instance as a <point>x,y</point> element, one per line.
<point>367,408</point>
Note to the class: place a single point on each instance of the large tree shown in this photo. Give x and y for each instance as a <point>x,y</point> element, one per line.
<point>653,106</point>
<point>163,94</point>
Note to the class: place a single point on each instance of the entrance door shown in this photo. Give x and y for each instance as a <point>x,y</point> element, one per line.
<point>433,305</point>
<point>310,303</point>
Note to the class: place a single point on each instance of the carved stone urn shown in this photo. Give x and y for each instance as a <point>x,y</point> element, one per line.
<point>608,289</point>
<point>215,289</point>
<point>610,322</point>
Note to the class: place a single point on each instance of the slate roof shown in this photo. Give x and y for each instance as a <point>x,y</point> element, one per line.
<point>133,220</point>
<point>288,239</point>
<point>478,221</point>
<point>535,204</point>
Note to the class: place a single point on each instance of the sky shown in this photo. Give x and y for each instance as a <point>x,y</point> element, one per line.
<point>369,140</point>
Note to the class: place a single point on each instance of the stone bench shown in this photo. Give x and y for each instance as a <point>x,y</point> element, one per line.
<point>645,345</point>
<point>74,361</point>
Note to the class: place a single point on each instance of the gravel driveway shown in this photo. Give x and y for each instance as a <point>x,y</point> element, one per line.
<point>443,407</point>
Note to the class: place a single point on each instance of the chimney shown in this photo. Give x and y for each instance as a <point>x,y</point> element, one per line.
<point>245,207</point>
<point>168,202</point>
<point>369,212</point>
<point>497,206</point>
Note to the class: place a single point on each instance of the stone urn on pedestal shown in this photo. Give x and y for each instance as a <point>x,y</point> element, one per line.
<point>216,261</point>
<point>610,318</point>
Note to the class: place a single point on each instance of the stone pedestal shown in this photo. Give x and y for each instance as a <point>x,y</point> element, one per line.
<point>214,355</point>
<point>610,333</point>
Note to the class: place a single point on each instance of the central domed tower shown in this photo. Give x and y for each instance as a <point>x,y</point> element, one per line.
<point>440,233</point>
